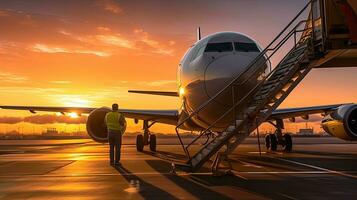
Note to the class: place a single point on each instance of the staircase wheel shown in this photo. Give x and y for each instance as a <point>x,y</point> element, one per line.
<point>267,141</point>
<point>139,142</point>
<point>288,142</point>
<point>153,142</point>
<point>273,142</point>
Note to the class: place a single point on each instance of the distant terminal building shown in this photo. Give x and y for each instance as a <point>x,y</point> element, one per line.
<point>306,131</point>
<point>50,132</point>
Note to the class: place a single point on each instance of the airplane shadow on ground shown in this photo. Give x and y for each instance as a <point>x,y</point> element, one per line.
<point>146,190</point>
<point>274,186</point>
<point>266,187</point>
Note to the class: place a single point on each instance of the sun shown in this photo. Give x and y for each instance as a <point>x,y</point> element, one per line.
<point>73,115</point>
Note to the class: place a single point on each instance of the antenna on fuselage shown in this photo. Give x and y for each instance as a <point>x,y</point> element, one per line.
<point>198,33</point>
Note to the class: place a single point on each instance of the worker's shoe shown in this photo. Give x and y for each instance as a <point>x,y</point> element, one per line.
<point>111,163</point>
<point>117,164</point>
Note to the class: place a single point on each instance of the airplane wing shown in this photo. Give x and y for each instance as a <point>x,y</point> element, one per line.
<point>161,116</point>
<point>302,111</point>
<point>171,116</point>
<point>161,93</point>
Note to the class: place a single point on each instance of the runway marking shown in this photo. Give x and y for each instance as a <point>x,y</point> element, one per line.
<point>256,152</point>
<point>60,167</point>
<point>248,164</point>
<point>318,168</point>
<point>236,173</point>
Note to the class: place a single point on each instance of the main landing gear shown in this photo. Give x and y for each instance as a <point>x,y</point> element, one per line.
<point>278,138</point>
<point>146,139</point>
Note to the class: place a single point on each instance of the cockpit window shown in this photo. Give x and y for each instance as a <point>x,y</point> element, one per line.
<point>246,47</point>
<point>219,47</point>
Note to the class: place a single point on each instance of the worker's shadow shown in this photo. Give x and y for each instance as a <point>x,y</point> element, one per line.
<point>143,188</point>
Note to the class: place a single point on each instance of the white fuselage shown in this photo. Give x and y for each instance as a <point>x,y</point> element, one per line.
<point>208,66</point>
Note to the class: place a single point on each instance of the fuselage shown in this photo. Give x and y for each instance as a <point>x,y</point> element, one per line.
<point>207,67</point>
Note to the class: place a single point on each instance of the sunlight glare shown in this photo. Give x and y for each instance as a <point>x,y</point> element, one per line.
<point>73,115</point>
<point>181,91</point>
<point>74,101</point>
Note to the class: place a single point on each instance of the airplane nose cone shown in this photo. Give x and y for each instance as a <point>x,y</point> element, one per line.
<point>223,70</point>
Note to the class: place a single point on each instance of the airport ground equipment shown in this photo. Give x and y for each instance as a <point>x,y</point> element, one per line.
<point>270,91</point>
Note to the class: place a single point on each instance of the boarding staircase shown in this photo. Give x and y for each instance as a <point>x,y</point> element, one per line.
<point>257,105</point>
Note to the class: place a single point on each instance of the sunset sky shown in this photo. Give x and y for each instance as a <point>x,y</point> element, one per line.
<point>90,52</point>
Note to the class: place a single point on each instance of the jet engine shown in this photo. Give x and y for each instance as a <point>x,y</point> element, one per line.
<point>96,127</point>
<point>342,123</point>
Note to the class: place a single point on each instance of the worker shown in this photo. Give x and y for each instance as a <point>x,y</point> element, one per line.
<point>116,125</point>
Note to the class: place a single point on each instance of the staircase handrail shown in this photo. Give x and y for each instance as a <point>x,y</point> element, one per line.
<point>260,55</point>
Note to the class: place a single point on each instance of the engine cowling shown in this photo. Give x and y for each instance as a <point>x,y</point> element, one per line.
<point>342,123</point>
<point>96,127</point>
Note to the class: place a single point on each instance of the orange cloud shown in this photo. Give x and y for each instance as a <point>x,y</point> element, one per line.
<point>53,49</point>
<point>12,78</point>
<point>141,42</point>
<point>61,82</point>
<point>160,83</point>
<point>116,40</point>
<point>4,13</point>
<point>158,48</point>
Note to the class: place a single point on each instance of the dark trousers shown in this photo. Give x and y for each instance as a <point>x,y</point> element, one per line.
<point>114,138</point>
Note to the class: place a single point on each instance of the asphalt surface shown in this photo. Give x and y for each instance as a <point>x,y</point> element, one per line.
<point>78,169</point>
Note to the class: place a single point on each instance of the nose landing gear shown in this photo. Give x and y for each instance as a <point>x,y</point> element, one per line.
<point>278,138</point>
<point>147,138</point>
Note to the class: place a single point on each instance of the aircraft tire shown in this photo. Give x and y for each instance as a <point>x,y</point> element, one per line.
<point>288,142</point>
<point>139,143</point>
<point>152,142</point>
<point>273,142</point>
<point>267,141</point>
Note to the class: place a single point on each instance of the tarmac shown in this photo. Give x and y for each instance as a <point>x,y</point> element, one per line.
<point>318,168</point>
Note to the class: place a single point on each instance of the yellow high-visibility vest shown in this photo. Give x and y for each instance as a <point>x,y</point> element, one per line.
<point>112,121</point>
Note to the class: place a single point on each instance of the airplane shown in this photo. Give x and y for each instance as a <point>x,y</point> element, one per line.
<point>227,88</point>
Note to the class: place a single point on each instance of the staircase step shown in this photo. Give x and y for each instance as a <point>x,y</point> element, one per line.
<point>231,128</point>
<point>266,90</point>
<point>272,81</point>
<point>287,64</point>
<point>255,102</point>
<point>250,109</point>
<point>268,85</point>
<point>239,121</point>
<point>205,151</point>
<point>260,97</point>
<point>298,50</point>
<point>294,56</point>
<point>283,68</point>
<point>194,161</point>
<point>281,72</point>
<point>304,46</point>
